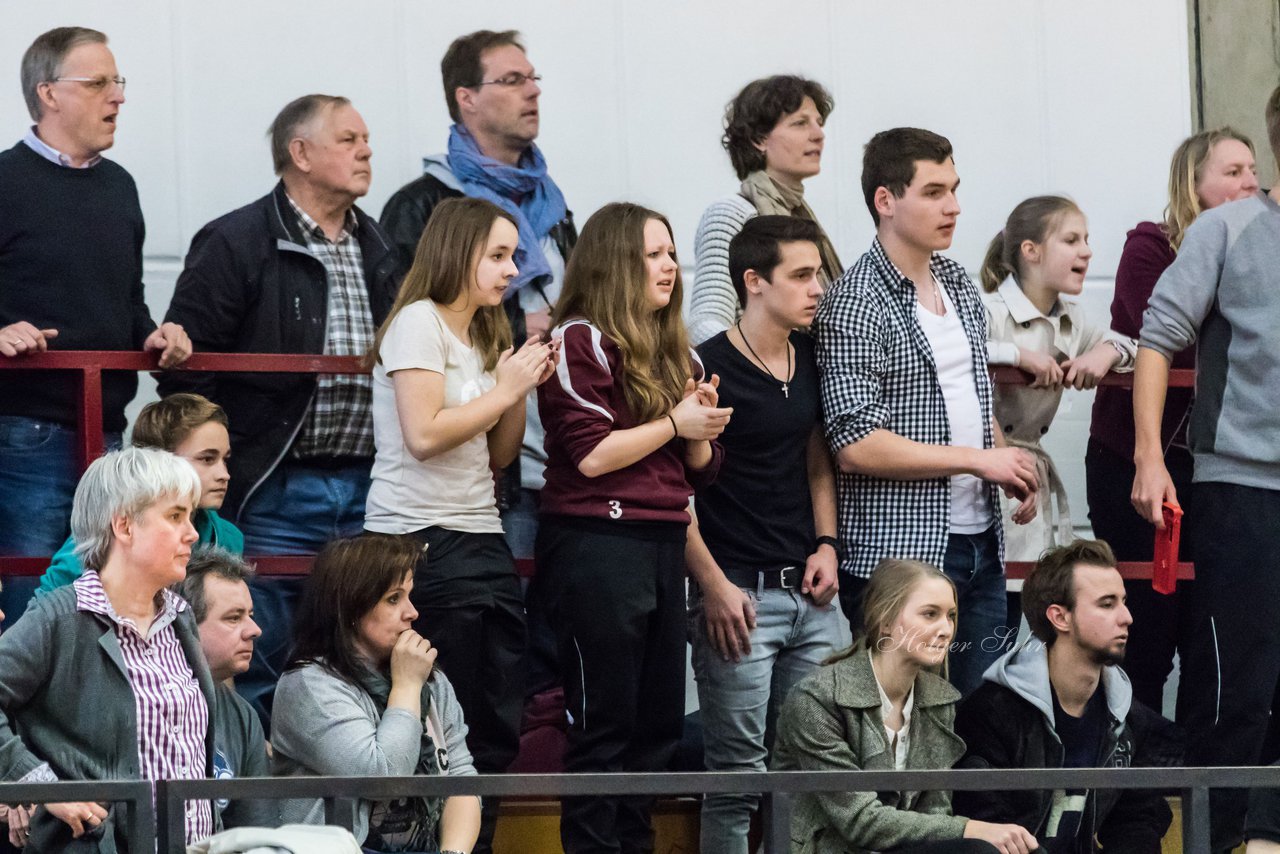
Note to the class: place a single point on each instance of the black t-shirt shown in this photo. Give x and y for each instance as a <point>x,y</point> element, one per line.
<point>1081,745</point>
<point>758,513</point>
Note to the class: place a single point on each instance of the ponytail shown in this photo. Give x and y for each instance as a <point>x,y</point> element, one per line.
<point>1033,219</point>
<point>995,266</point>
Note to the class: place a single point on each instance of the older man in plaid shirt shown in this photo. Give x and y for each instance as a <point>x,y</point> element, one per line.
<point>907,401</point>
<point>301,270</point>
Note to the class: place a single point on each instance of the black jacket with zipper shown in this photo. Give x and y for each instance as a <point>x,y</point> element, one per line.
<point>1004,725</point>
<point>250,285</point>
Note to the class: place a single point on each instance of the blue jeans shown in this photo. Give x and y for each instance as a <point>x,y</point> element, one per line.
<point>39,470</point>
<point>520,524</point>
<point>982,635</point>
<point>296,510</point>
<point>740,700</point>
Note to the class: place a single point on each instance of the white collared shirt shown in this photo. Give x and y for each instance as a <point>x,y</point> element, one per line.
<point>53,155</point>
<point>899,740</point>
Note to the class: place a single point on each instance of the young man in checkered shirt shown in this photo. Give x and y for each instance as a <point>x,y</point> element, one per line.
<point>907,401</point>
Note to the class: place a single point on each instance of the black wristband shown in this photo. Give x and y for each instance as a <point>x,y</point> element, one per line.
<point>673,426</point>
<point>830,541</point>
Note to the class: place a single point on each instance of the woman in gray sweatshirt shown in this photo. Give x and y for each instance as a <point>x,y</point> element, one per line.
<point>361,697</point>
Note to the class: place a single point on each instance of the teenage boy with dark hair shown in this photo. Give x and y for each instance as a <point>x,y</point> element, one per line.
<point>1060,700</point>
<point>1221,294</point>
<point>762,547</point>
<point>907,398</point>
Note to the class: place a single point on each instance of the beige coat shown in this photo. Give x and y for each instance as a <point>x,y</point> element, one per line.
<point>1025,413</point>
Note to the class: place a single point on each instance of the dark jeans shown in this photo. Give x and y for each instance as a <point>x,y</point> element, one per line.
<point>1162,624</point>
<point>972,562</point>
<point>1232,663</point>
<point>39,470</point>
<point>296,510</point>
<point>469,607</point>
<point>617,604</point>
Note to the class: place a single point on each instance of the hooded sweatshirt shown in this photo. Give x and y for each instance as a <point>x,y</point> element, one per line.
<point>1008,722</point>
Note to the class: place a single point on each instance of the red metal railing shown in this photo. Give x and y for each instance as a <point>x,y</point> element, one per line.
<point>89,365</point>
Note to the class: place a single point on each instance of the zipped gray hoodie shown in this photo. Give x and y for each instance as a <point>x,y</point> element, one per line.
<point>1223,290</point>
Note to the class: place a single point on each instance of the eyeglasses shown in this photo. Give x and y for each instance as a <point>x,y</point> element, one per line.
<point>93,84</point>
<point>514,80</point>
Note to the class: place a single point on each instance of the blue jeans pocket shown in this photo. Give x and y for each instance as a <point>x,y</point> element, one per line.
<point>18,434</point>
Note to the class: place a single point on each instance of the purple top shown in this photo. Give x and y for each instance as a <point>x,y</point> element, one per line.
<point>1146,255</point>
<point>173,716</point>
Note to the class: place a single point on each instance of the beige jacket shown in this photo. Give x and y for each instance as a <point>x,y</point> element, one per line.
<point>1025,413</point>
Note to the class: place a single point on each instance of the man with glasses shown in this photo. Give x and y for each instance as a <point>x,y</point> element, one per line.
<point>70,277</point>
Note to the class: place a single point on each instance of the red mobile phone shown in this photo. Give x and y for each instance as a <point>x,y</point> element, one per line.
<point>1164,567</point>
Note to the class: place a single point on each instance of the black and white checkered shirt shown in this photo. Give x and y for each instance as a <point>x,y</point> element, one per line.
<point>340,422</point>
<point>878,372</point>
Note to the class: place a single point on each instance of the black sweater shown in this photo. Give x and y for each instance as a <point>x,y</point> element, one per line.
<point>70,260</point>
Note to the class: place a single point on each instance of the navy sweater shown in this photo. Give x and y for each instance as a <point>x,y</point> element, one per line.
<point>71,260</point>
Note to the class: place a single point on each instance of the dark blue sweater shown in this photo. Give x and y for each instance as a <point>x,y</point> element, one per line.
<point>71,260</point>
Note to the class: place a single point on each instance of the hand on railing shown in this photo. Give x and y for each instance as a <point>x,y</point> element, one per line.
<point>172,342</point>
<point>22,337</point>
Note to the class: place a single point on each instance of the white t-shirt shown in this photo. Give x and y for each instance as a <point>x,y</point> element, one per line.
<point>452,490</point>
<point>970,508</point>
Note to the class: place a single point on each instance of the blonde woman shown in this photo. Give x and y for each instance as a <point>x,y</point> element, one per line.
<point>883,705</point>
<point>1209,169</point>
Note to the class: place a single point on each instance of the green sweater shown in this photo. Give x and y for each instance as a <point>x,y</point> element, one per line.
<point>212,528</point>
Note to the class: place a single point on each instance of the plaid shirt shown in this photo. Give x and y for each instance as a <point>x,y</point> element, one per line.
<point>340,422</point>
<point>173,716</point>
<point>878,373</point>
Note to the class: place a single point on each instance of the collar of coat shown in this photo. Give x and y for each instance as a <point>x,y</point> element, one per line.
<point>855,685</point>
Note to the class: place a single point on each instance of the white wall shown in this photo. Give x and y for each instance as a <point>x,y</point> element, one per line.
<point>1087,98</point>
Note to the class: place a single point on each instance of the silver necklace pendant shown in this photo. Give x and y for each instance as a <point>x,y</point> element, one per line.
<point>785,392</point>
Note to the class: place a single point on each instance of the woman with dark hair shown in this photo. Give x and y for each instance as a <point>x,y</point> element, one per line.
<point>774,135</point>
<point>361,697</point>
<point>630,420</point>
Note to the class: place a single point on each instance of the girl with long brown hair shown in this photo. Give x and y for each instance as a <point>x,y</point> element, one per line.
<point>630,420</point>
<point>448,403</point>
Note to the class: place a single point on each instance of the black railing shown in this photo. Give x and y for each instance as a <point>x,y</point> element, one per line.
<point>777,788</point>
<point>134,795</point>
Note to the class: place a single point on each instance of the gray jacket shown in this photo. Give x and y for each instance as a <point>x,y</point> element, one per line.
<point>67,702</point>
<point>1223,290</point>
<point>240,751</point>
<point>325,725</point>
<point>831,722</point>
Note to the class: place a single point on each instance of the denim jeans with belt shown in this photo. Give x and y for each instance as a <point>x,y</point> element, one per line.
<point>740,700</point>
<point>39,470</point>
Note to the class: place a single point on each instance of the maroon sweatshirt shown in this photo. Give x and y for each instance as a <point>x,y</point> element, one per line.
<point>581,405</point>
<point>1146,255</point>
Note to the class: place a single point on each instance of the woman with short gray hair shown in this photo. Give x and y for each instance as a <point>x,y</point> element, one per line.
<point>104,679</point>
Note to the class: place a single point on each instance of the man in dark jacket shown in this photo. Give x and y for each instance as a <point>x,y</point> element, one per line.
<point>1060,700</point>
<point>301,270</point>
<point>492,92</point>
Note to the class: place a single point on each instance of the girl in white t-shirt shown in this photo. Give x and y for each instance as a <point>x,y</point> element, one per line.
<point>1032,271</point>
<point>448,407</point>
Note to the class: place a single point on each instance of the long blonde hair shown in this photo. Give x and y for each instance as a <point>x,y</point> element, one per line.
<point>444,266</point>
<point>891,585</point>
<point>1186,170</point>
<point>605,283</point>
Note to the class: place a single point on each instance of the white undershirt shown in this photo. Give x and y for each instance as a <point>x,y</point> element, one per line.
<point>970,509</point>
<point>899,740</point>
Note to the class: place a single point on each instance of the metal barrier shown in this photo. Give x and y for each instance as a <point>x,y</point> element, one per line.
<point>136,795</point>
<point>89,365</point>
<point>778,790</point>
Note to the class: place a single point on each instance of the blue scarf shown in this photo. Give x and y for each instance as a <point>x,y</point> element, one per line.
<point>541,202</point>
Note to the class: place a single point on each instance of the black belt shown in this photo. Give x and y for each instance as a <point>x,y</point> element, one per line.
<point>781,578</point>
